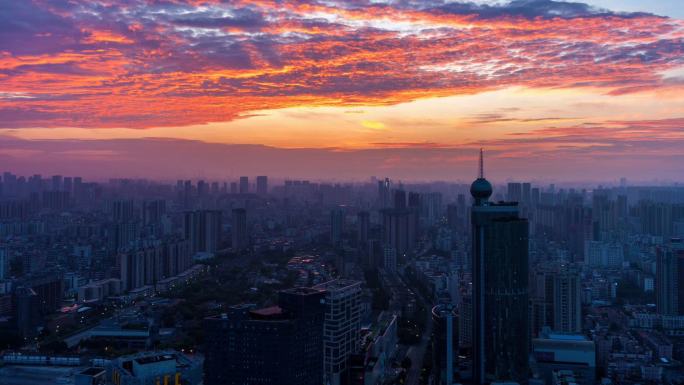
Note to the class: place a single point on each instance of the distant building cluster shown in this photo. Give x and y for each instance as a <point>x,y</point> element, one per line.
<point>293,282</point>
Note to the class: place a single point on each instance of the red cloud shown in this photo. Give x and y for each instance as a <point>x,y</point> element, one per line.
<point>131,65</point>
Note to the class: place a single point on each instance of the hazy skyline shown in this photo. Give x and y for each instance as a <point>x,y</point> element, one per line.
<point>406,89</point>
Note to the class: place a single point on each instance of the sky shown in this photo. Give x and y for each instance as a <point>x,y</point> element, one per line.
<point>338,90</point>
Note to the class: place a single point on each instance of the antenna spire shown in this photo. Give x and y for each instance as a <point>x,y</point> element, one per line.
<point>481,175</point>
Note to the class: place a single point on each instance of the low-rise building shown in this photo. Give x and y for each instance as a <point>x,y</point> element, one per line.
<point>151,368</point>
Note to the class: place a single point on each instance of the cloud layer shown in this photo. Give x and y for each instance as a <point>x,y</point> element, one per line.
<point>152,63</point>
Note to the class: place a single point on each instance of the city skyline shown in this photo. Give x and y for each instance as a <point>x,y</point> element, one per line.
<point>342,192</point>
<point>407,90</point>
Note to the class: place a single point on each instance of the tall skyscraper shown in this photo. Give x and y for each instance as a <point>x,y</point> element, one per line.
<point>239,230</point>
<point>341,327</point>
<point>244,185</point>
<point>277,345</point>
<point>500,288</point>
<point>670,278</point>
<point>262,185</point>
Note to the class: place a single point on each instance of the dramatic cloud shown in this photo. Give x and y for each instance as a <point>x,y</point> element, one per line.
<point>141,64</point>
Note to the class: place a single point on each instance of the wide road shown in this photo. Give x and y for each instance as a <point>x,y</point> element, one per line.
<point>417,352</point>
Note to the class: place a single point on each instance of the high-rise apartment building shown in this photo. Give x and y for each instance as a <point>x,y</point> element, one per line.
<point>123,211</point>
<point>341,327</point>
<point>514,193</point>
<point>244,185</point>
<point>262,185</point>
<point>202,228</point>
<point>400,225</point>
<point>567,307</point>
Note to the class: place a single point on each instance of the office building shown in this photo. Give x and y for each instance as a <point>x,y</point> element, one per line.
<point>341,327</point>
<point>565,351</point>
<point>670,278</point>
<point>27,310</point>
<point>500,288</point>
<point>49,287</point>
<point>158,367</point>
<point>277,345</point>
<point>240,238</point>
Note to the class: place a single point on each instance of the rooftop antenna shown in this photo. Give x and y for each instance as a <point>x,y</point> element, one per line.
<point>481,164</point>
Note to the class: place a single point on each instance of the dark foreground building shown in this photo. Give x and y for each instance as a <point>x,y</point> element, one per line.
<point>500,291</point>
<point>277,345</point>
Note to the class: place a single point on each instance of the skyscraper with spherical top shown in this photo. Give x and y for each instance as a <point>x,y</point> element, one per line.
<point>500,290</point>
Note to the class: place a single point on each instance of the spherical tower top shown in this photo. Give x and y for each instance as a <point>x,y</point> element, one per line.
<point>481,189</point>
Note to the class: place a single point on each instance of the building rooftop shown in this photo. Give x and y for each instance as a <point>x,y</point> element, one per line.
<point>303,290</point>
<point>337,284</point>
<point>268,311</point>
<point>155,358</point>
<point>93,371</point>
<point>566,337</point>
